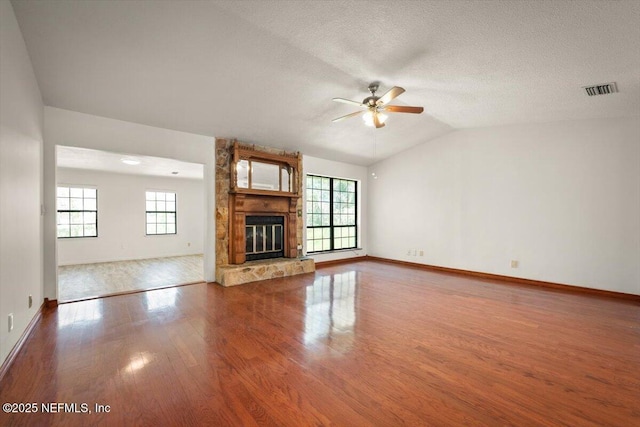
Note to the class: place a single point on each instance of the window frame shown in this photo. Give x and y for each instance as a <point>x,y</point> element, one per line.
<point>156,212</point>
<point>71,211</point>
<point>332,226</point>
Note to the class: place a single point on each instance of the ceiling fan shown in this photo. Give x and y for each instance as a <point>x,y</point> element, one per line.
<point>376,106</point>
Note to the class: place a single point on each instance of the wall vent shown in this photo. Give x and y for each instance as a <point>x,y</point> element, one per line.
<point>601,89</point>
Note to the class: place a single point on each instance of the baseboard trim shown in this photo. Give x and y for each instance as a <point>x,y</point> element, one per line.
<point>50,303</point>
<point>519,280</point>
<point>13,354</point>
<point>332,262</point>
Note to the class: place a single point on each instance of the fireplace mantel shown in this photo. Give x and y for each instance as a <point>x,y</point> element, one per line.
<point>249,197</point>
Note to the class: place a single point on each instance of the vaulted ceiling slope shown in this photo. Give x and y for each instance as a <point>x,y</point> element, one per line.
<point>265,71</point>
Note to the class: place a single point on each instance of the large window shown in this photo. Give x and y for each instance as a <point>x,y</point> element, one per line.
<point>77,212</point>
<point>331,214</point>
<point>161,212</point>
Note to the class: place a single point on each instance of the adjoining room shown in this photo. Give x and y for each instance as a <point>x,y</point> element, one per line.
<point>126,223</point>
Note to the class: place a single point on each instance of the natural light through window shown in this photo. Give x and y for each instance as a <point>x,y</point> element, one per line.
<point>161,212</point>
<point>77,212</point>
<point>331,213</point>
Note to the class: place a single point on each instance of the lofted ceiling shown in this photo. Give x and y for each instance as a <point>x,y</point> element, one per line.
<point>265,71</point>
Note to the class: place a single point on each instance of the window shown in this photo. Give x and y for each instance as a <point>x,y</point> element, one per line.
<point>77,212</point>
<point>161,212</point>
<point>331,214</point>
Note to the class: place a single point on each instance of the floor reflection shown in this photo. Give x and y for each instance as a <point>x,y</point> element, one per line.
<point>137,362</point>
<point>79,313</point>
<point>330,307</point>
<point>160,299</point>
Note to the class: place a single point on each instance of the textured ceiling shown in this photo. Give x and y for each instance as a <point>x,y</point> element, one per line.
<point>265,71</point>
<point>84,158</point>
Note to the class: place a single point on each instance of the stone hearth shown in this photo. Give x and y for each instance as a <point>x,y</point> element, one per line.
<point>252,271</point>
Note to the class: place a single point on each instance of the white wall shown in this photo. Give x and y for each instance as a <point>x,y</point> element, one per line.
<point>121,218</point>
<point>69,128</point>
<point>21,112</point>
<point>316,166</point>
<point>561,198</point>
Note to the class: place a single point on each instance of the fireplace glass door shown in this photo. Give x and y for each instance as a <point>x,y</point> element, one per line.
<point>264,237</point>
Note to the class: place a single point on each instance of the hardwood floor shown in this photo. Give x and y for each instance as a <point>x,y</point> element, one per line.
<point>357,344</point>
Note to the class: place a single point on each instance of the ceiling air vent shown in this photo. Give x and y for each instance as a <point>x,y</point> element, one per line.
<point>601,89</point>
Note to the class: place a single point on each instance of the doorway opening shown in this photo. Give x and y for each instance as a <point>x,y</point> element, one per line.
<point>126,223</point>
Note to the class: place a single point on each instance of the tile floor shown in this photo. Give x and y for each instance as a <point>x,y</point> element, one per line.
<point>91,280</point>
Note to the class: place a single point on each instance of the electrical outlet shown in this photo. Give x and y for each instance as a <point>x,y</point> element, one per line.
<point>10,322</point>
<point>30,301</point>
<point>409,252</point>
<point>421,253</point>
<point>189,244</point>
<point>514,263</point>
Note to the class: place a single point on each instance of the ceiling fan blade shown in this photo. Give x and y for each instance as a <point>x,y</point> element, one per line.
<point>403,109</point>
<point>391,93</point>
<point>347,116</point>
<point>376,121</point>
<point>348,101</point>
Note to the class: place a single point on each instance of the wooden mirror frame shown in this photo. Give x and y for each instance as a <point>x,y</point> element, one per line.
<point>290,161</point>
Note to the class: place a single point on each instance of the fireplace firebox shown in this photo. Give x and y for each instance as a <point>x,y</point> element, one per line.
<point>264,237</point>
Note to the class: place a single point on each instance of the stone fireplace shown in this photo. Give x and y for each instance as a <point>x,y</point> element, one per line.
<point>258,213</point>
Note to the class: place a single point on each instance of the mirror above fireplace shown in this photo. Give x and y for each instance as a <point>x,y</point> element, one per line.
<point>257,171</point>
<point>257,175</point>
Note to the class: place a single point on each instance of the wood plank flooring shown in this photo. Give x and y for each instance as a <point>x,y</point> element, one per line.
<point>358,344</point>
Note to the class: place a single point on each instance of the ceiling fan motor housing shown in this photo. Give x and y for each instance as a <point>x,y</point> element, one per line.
<point>370,100</point>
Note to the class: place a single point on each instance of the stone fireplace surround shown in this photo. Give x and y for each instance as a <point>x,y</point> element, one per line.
<point>232,207</point>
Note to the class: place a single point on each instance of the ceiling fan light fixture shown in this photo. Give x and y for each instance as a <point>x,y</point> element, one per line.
<point>375,105</point>
<point>368,118</point>
<point>132,161</point>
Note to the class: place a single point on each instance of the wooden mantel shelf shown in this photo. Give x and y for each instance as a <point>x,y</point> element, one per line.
<point>255,192</point>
